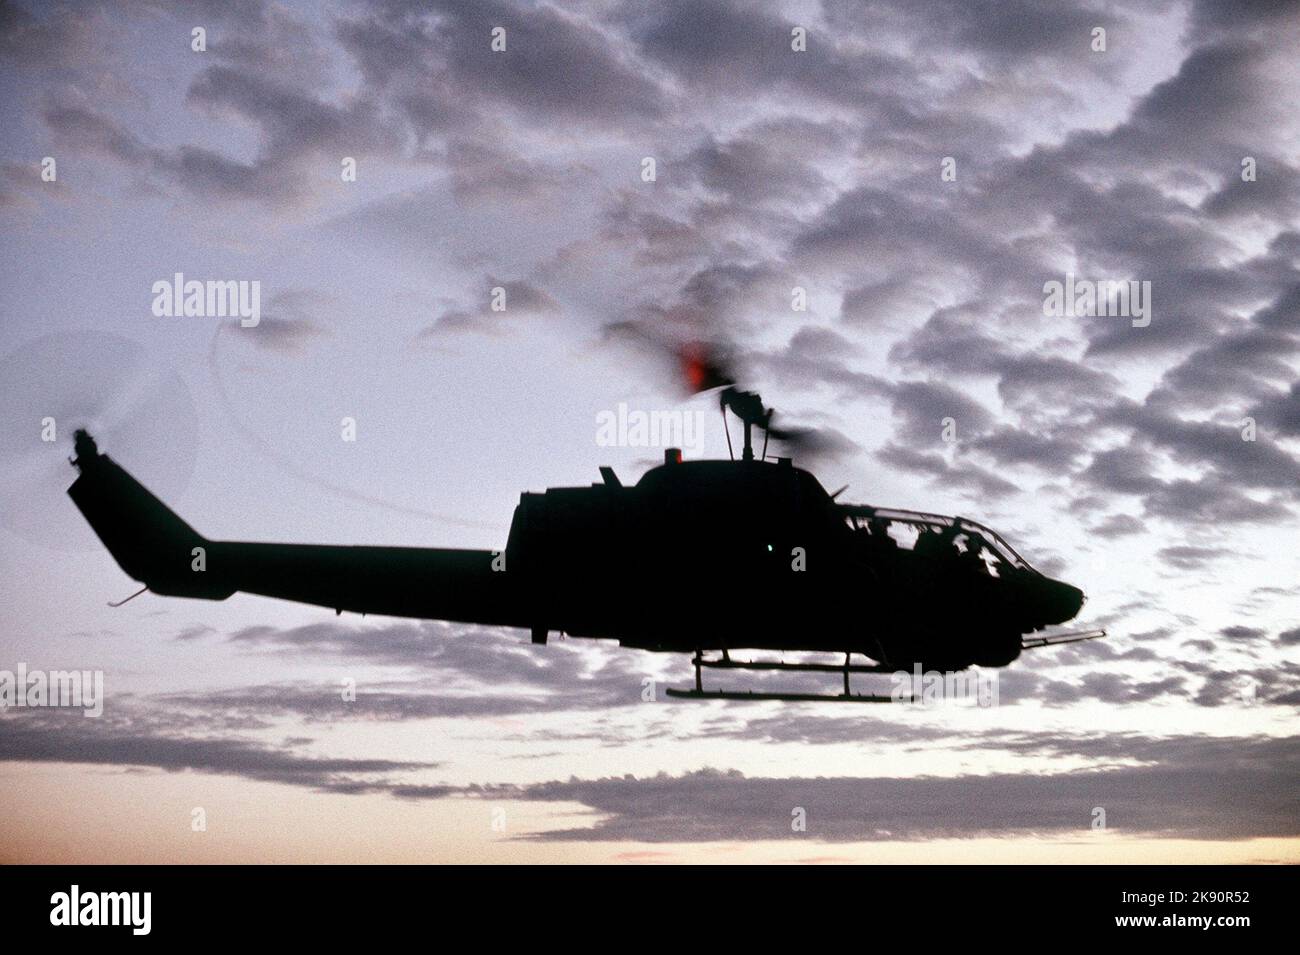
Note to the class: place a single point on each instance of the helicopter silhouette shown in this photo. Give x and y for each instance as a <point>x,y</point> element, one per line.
<point>701,557</point>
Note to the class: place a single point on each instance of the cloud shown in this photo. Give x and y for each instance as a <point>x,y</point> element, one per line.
<point>66,737</point>
<point>555,65</point>
<point>1118,525</point>
<point>1238,632</point>
<point>518,299</point>
<point>1190,786</point>
<point>1197,788</point>
<point>1188,557</point>
<point>62,36</point>
<point>476,670</point>
<point>970,477</point>
<point>776,169</point>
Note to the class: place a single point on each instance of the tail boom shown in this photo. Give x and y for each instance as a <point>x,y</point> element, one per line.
<point>153,545</point>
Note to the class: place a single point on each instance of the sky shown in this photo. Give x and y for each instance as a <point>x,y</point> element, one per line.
<point>915,175</point>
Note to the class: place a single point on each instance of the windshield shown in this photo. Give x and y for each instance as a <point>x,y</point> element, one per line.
<point>863,512</point>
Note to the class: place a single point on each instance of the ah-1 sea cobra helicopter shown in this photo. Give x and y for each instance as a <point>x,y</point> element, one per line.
<point>647,564</point>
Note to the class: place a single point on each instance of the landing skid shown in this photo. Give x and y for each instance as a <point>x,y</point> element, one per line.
<point>726,663</point>
<point>756,695</point>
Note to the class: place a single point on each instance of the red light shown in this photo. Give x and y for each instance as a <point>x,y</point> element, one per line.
<point>696,370</point>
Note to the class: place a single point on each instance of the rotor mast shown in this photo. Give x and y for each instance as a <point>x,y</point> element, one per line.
<point>748,407</point>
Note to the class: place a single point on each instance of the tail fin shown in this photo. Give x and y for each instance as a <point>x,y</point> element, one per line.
<point>147,539</point>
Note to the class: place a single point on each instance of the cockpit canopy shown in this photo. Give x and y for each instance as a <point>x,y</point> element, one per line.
<point>863,515</point>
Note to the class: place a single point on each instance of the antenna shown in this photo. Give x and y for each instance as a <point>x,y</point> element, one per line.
<point>726,427</point>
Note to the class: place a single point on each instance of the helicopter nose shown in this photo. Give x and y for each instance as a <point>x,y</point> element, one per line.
<point>1059,601</point>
